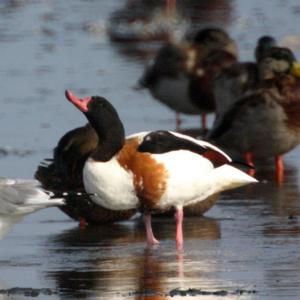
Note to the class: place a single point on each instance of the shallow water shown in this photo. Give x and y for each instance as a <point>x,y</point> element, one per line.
<point>246,246</point>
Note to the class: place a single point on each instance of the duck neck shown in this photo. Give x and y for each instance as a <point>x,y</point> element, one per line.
<point>111,138</point>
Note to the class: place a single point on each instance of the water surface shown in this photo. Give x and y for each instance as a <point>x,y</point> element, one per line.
<point>246,247</point>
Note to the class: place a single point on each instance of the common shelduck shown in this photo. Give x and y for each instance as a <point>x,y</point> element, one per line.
<point>266,122</point>
<point>151,171</point>
<point>63,172</point>
<point>19,197</point>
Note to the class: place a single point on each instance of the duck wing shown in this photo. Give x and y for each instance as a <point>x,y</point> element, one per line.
<point>158,142</point>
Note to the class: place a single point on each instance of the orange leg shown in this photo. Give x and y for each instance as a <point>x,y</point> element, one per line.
<point>279,169</point>
<point>249,158</point>
<point>151,240</point>
<point>82,223</point>
<point>179,234</point>
<point>249,161</point>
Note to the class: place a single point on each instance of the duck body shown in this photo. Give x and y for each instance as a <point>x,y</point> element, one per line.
<point>267,110</point>
<point>174,93</point>
<point>180,76</point>
<point>234,83</point>
<point>201,88</point>
<point>64,173</point>
<point>152,181</point>
<point>167,79</point>
<point>241,78</point>
<point>262,116</point>
<point>151,170</point>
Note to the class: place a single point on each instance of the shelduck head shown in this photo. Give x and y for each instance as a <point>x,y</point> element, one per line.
<point>101,114</point>
<point>105,120</point>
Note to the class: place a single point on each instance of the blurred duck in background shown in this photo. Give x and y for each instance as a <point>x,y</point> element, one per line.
<point>180,75</point>
<point>265,122</point>
<point>240,79</point>
<point>264,43</point>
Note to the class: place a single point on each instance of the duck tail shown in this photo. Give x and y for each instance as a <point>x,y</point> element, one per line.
<point>229,177</point>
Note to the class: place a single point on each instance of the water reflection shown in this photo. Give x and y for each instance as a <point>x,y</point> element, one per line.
<point>275,200</point>
<point>252,240</point>
<point>110,261</point>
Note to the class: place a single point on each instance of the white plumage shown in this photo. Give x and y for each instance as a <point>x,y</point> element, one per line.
<point>19,197</point>
<point>191,178</point>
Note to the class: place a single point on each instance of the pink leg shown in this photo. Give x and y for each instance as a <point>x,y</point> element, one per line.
<point>151,240</point>
<point>279,169</point>
<point>203,121</point>
<point>178,121</point>
<point>179,234</point>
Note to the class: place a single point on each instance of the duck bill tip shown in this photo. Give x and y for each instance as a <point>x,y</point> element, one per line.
<point>81,104</point>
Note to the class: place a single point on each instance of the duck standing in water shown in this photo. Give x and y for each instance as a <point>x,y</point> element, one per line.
<point>181,78</point>
<point>266,122</point>
<point>151,171</point>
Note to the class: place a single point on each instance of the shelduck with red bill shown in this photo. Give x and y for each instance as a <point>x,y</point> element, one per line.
<point>151,171</point>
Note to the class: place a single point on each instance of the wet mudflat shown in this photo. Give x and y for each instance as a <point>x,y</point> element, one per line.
<point>246,246</point>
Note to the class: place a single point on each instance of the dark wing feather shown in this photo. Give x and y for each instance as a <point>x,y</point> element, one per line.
<point>159,142</point>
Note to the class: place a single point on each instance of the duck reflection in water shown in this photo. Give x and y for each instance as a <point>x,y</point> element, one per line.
<point>106,261</point>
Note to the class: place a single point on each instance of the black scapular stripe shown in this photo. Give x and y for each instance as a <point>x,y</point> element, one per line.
<point>158,142</point>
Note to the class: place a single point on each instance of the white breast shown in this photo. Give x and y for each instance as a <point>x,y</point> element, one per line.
<point>112,184</point>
